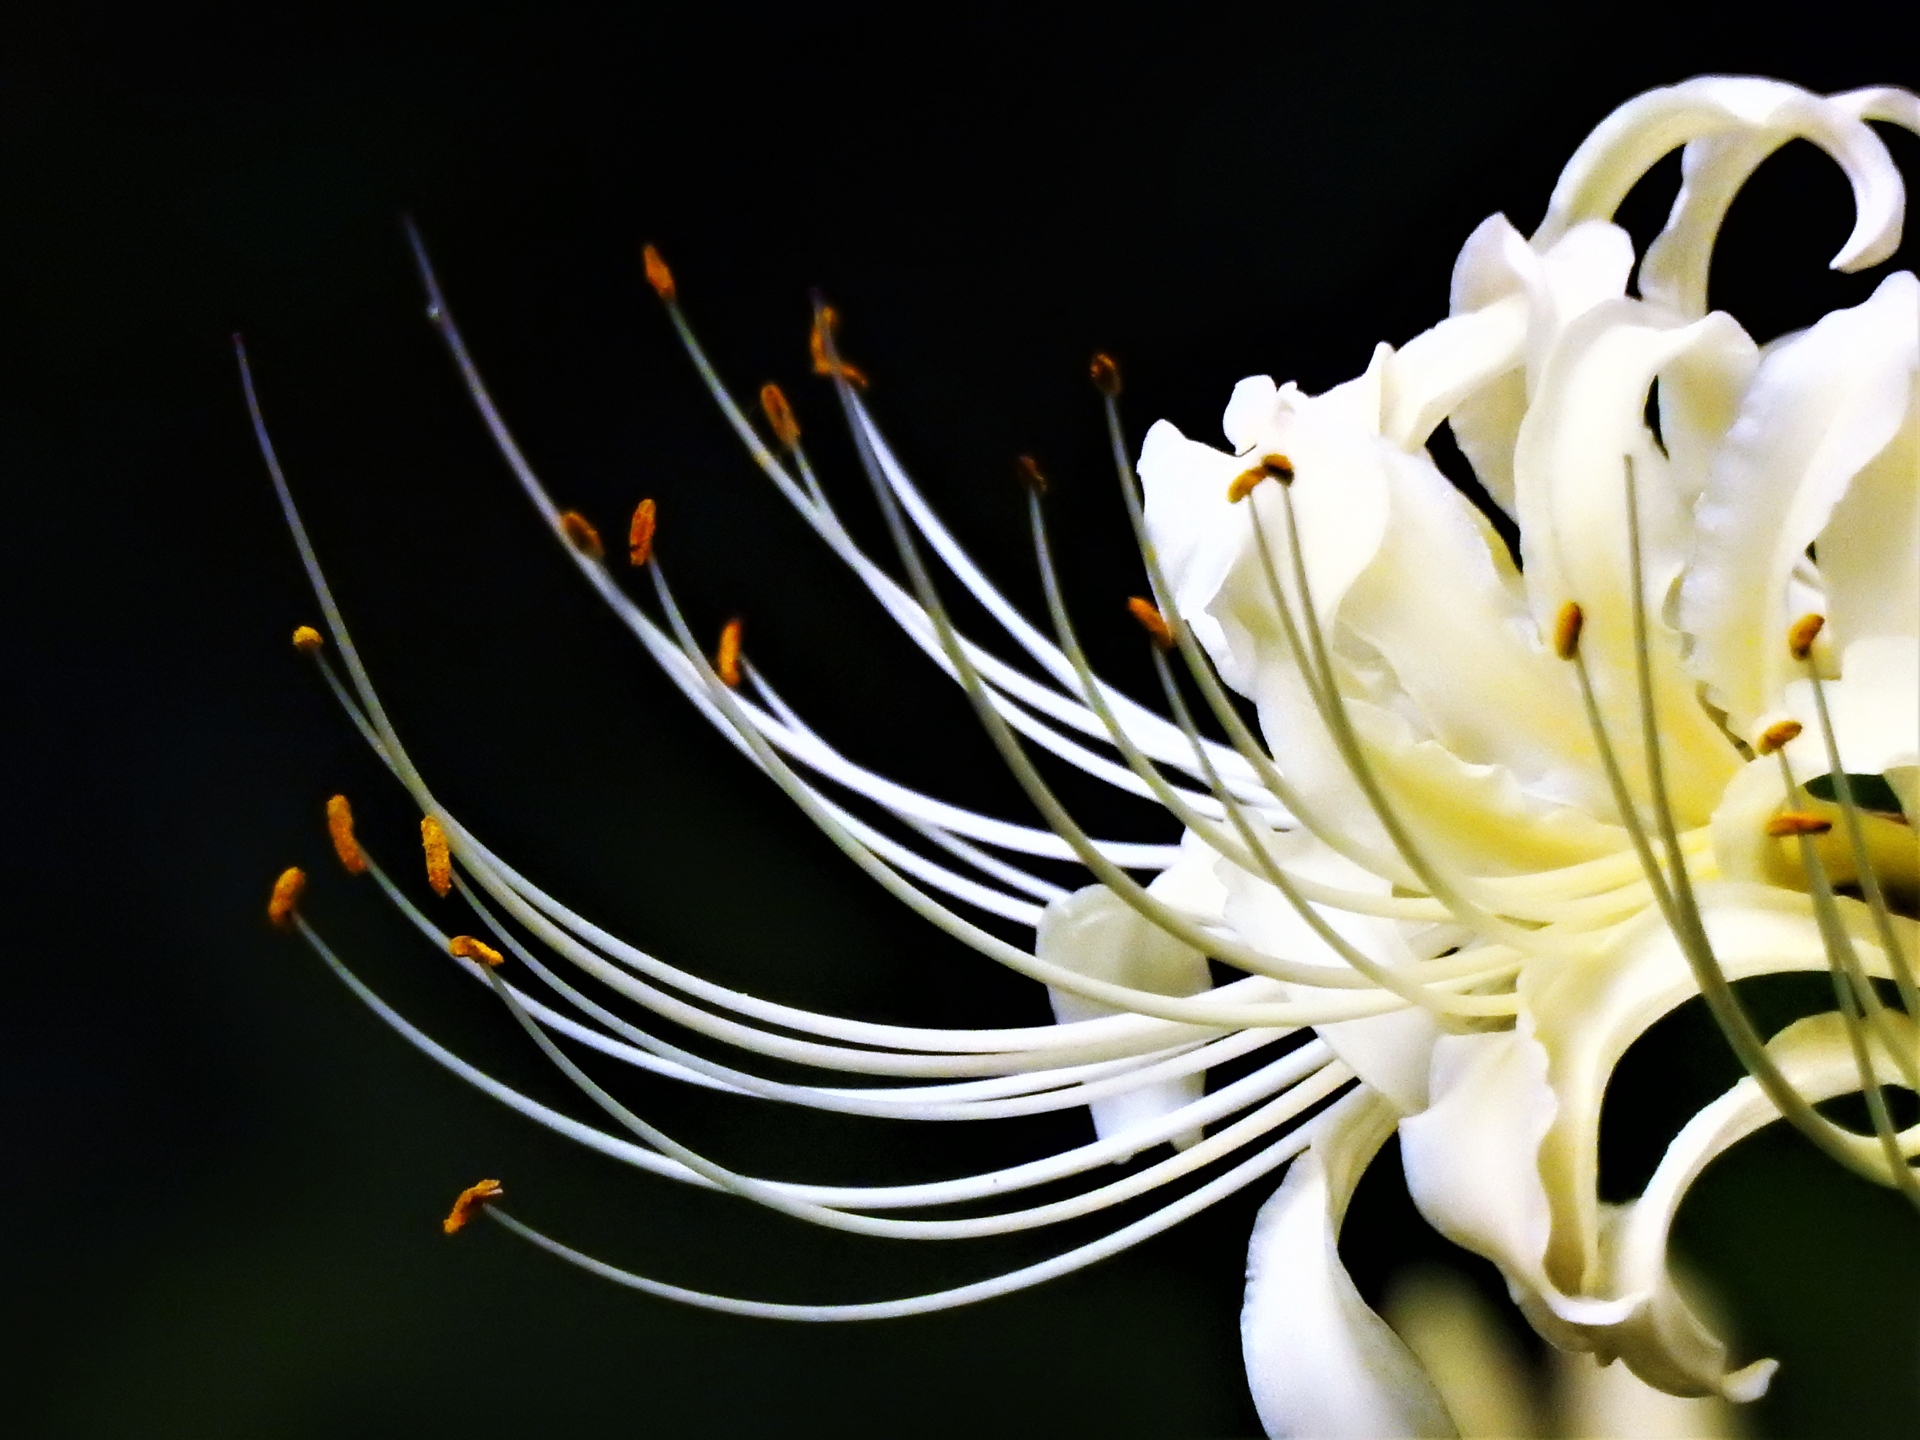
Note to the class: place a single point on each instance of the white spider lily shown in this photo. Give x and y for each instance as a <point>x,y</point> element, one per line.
<point>1498,821</point>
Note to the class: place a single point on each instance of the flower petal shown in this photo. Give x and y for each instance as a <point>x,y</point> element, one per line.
<point>1094,933</point>
<point>1389,1052</point>
<point>1625,145</point>
<point>1822,405</point>
<point>1320,1363</point>
<point>1569,468</point>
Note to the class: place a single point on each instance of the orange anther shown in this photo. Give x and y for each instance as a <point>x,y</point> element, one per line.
<point>1105,375</point>
<point>1795,822</point>
<point>581,534</point>
<point>1271,467</point>
<point>433,840</point>
<point>779,413</point>
<point>1028,469</point>
<point>1778,736</point>
<point>470,1199</point>
<point>640,533</point>
<point>465,947</point>
<point>1151,620</point>
<point>1802,633</point>
<point>824,323</point>
<point>726,659</point>
<point>1566,630</point>
<point>306,639</point>
<point>658,275</point>
<point>286,895</point>
<point>340,828</point>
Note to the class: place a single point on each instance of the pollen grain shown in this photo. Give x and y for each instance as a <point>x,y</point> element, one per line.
<point>1104,371</point>
<point>658,275</point>
<point>1777,736</point>
<point>433,840</point>
<point>581,534</point>
<point>1803,632</point>
<point>773,401</point>
<point>824,363</point>
<point>469,1200</point>
<point>1151,620</point>
<point>286,895</point>
<point>306,639</point>
<point>640,533</point>
<point>340,831</point>
<point>1566,630</point>
<point>1797,822</point>
<point>465,947</point>
<point>726,658</point>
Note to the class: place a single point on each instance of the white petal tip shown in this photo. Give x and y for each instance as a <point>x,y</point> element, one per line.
<point>1749,1382</point>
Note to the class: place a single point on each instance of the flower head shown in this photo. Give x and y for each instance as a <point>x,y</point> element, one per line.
<point>1500,814</point>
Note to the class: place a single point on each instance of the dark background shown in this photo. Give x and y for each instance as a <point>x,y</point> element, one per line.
<point>223,1178</point>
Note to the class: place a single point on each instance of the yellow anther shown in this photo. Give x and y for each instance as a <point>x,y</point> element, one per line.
<point>1030,475</point>
<point>1151,620</point>
<point>1271,467</point>
<point>286,895</point>
<point>658,275</point>
<point>726,658</point>
<point>640,533</point>
<point>824,324</point>
<point>779,414</point>
<point>306,639</point>
<point>1105,375</point>
<point>465,947</point>
<point>1796,822</point>
<point>433,840</point>
<point>1777,736</point>
<point>1802,633</point>
<point>470,1199</point>
<point>1566,630</point>
<point>581,534</point>
<point>340,829</point>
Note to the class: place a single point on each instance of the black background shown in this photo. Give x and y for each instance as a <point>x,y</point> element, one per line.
<point>223,1178</point>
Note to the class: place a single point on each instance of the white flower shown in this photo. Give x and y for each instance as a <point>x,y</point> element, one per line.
<point>1497,821</point>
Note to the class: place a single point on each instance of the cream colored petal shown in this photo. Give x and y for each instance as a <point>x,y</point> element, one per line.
<point>1094,933</point>
<point>1821,407</point>
<point>1445,609</point>
<point>1587,1013</point>
<point>1319,1362</point>
<point>1389,1052</point>
<point>1435,371</point>
<point>1569,468</point>
<point>1870,547</point>
<point>1625,145</point>
<point>1471,1357</point>
<point>1587,266</point>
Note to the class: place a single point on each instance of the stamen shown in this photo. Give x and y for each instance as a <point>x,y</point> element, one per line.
<point>1151,620</point>
<point>1271,467</point>
<point>1803,632</point>
<point>1797,823</point>
<point>658,275</point>
<point>726,659</point>
<point>581,534</point>
<point>478,1196</point>
<point>465,947</point>
<point>1777,736</point>
<point>433,840</point>
<point>286,895</point>
<point>1105,374</point>
<point>340,829</point>
<point>1566,630</point>
<point>779,414</point>
<point>306,639</point>
<point>1029,473</point>
<point>826,359</point>
<point>640,533</point>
